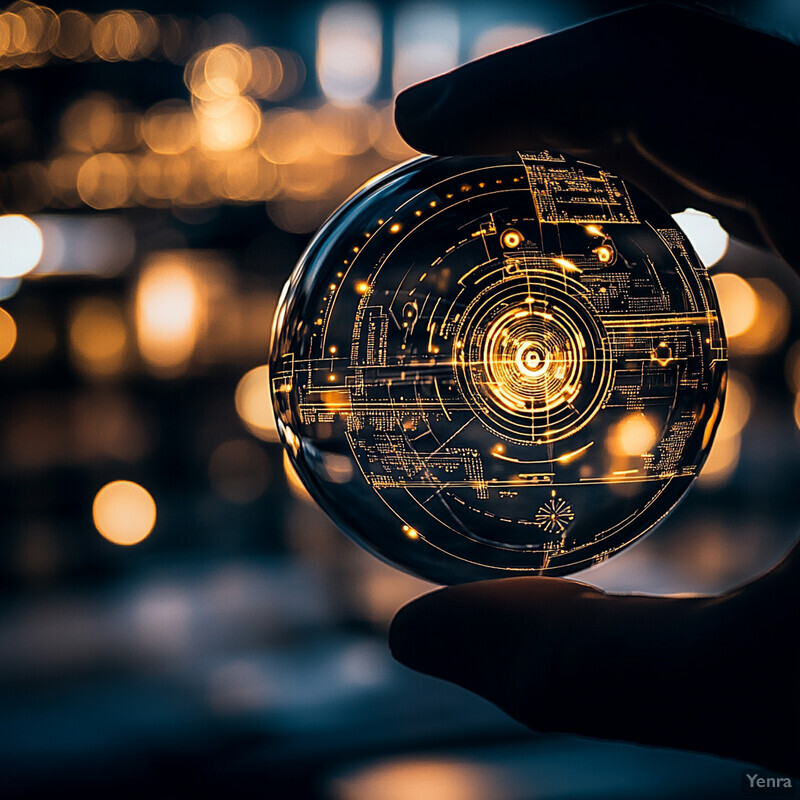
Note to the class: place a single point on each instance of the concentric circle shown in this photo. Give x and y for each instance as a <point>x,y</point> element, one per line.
<point>464,349</point>
<point>532,359</point>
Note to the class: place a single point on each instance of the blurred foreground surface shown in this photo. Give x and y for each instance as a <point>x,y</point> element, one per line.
<point>198,625</point>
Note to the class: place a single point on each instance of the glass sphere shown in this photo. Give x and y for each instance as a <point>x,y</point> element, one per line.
<point>496,366</point>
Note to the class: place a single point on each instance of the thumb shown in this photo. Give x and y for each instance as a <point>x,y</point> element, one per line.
<point>500,639</point>
<point>562,656</point>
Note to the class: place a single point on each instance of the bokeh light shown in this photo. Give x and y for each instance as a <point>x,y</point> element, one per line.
<point>91,123</point>
<point>737,301</point>
<point>707,236</point>
<point>254,404</point>
<point>21,245</point>
<point>723,457</point>
<point>124,512</point>
<point>792,368</point>
<point>106,180</point>
<point>296,486</point>
<point>349,51</point>
<point>797,410</point>
<point>401,779</point>
<point>426,40</point>
<point>8,333</point>
<point>169,127</point>
<point>771,324</point>
<point>98,336</point>
<point>634,435</point>
<point>132,139</point>
<point>168,311</point>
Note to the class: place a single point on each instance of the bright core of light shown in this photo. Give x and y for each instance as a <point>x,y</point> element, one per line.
<point>21,245</point>
<point>707,236</point>
<point>8,333</point>
<point>124,512</point>
<point>167,311</point>
<point>636,435</point>
<point>349,52</point>
<point>737,302</point>
<point>254,404</point>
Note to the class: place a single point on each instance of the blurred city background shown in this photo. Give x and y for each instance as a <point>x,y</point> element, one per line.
<point>176,615</point>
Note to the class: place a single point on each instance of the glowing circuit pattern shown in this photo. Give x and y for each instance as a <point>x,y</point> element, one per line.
<point>521,357</point>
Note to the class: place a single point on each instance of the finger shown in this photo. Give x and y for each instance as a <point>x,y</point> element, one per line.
<point>684,100</point>
<point>561,656</point>
<point>588,86</point>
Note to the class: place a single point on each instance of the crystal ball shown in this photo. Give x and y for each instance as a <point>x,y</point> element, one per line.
<point>495,366</point>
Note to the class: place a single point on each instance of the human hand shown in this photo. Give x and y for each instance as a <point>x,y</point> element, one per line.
<point>696,111</point>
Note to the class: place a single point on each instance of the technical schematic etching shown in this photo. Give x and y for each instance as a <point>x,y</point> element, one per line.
<point>521,356</point>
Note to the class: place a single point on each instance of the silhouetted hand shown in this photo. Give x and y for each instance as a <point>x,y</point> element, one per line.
<point>698,112</point>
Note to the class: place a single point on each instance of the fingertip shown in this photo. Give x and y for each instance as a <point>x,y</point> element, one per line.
<point>415,107</point>
<point>410,631</point>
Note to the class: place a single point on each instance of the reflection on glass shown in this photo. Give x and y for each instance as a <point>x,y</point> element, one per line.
<point>522,357</point>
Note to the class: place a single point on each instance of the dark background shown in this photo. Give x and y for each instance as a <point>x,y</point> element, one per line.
<point>240,647</point>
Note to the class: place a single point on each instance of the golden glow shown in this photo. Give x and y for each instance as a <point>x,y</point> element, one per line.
<point>737,301</point>
<point>633,436</point>
<point>267,73</point>
<point>74,40</point>
<point>296,486</point>
<point>738,405</point>
<point>604,254</point>
<point>726,447</point>
<point>662,354</point>
<point>124,512</point>
<point>228,124</point>
<point>168,311</point>
<point>721,462</point>
<point>91,123</point>
<point>164,177</point>
<point>169,127</point>
<point>531,365</point>
<point>345,131</point>
<point>311,179</point>
<point>508,330</point>
<point>567,265</point>
<point>792,368</point>
<point>567,457</point>
<point>97,336</point>
<point>771,324</point>
<point>389,143</point>
<point>8,333</point>
<point>106,181</point>
<point>419,778</point>
<point>254,404</point>
<point>511,239</point>
<point>410,532</point>
<point>227,70</point>
<point>287,136</point>
<point>21,245</point>
<point>124,35</point>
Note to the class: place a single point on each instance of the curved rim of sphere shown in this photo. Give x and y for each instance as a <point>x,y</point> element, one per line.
<point>489,366</point>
